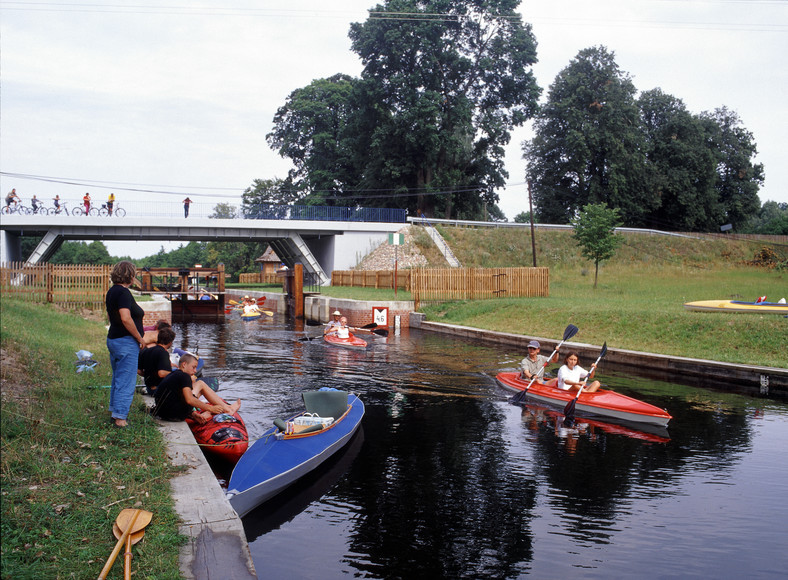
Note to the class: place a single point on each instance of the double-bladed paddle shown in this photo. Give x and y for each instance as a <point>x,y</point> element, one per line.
<point>570,331</point>
<point>569,410</point>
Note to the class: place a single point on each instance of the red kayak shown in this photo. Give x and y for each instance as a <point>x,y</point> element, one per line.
<point>602,402</point>
<point>351,341</point>
<point>224,436</point>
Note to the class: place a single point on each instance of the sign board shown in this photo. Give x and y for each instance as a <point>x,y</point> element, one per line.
<point>396,239</point>
<point>380,315</point>
<point>726,227</point>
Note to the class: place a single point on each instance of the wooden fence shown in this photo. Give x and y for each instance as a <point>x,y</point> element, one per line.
<point>371,278</point>
<point>259,278</point>
<point>453,283</point>
<point>67,285</point>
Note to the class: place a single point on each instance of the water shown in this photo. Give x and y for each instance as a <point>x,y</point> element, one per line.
<point>447,479</point>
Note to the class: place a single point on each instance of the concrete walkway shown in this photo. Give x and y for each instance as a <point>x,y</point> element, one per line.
<point>217,547</point>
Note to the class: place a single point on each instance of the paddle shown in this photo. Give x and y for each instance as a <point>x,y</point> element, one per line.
<point>130,540</point>
<point>569,410</point>
<point>372,328</point>
<point>129,521</point>
<point>569,332</point>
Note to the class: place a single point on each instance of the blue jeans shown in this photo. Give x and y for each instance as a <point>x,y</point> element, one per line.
<point>124,355</point>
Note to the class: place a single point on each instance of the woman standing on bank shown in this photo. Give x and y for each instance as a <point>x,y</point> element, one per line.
<point>124,341</point>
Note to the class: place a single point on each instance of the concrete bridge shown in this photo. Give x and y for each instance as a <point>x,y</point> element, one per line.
<point>322,246</point>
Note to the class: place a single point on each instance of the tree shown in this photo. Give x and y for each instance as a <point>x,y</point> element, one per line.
<point>772,219</point>
<point>681,171</point>
<point>94,252</point>
<point>311,129</point>
<point>595,233</point>
<point>588,147</point>
<point>444,82</point>
<point>224,211</point>
<point>524,217</point>
<point>268,199</point>
<point>738,178</point>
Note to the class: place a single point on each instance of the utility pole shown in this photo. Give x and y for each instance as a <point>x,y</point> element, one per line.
<point>531,211</point>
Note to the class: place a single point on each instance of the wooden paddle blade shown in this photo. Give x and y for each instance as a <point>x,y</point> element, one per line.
<point>135,537</point>
<point>126,516</point>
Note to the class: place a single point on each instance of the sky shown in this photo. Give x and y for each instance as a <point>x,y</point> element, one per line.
<point>157,101</point>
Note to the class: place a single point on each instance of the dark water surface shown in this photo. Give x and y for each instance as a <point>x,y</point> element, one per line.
<point>447,479</point>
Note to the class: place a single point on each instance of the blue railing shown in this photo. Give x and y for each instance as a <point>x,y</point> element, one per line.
<point>324,213</point>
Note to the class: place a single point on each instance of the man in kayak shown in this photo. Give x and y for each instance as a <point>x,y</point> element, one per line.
<point>535,362</point>
<point>154,361</point>
<point>177,396</point>
<point>571,375</point>
<point>333,325</point>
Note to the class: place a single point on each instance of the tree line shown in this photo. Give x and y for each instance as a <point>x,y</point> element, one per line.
<point>443,84</point>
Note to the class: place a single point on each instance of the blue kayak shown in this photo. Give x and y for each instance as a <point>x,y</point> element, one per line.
<point>294,447</point>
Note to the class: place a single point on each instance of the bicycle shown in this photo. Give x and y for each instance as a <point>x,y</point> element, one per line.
<point>58,210</point>
<point>118,211</point>
<point>17,208</point>
<point>81,211</point>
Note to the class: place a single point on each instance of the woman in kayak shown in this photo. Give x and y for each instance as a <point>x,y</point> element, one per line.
<point>342,330</point>
<point>571,375</point>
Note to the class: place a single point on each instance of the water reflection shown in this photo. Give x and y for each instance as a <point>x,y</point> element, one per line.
<point>452,480</point>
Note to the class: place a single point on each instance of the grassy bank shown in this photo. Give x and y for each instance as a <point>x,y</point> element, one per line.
<point>65,471</point>
<point>638,303</point>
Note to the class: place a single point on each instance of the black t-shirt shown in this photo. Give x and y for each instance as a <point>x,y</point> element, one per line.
<point>151,361</point>
<point>119,297</point>
<point>170,404</point>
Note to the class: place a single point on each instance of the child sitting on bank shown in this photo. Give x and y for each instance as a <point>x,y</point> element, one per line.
<point>178,396</point>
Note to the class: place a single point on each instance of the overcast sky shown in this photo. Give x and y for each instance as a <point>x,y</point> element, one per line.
<point>176,97</point>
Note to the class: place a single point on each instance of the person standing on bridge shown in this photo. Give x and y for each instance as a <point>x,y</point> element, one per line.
<point>186,203</point>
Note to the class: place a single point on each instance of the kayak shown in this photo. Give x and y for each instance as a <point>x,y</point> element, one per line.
<point>602,402</point>
<point>251,315</point>
<point>351,341</point>
<point>738,306</point>
<point>224,436</point>
<point>294,447</point>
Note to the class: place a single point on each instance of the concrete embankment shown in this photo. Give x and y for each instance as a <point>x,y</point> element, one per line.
<point>217,548</point>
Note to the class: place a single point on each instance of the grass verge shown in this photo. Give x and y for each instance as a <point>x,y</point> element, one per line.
<point>65,472</point>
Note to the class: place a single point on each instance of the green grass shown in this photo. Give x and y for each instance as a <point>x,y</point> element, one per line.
<point>640,307</point>
<point>65,472</point>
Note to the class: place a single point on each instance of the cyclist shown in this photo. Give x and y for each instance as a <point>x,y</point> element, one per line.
<point>110,203</point>
<point>12,197</point>
<point>56,199</point>
<point>35,203</point>
<point>86,201</point>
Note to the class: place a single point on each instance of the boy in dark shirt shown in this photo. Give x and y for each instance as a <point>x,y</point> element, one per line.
<point>154,362</point>
<point>174,398</point>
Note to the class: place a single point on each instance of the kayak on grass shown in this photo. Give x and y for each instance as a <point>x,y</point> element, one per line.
<point>737,306</point>
<point>602,402</point>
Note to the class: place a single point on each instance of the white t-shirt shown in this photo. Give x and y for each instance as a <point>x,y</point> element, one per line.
<point>343,332</point>
<point>565,374</point>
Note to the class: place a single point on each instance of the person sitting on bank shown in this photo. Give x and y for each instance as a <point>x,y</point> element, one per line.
<point>334,324</point>
<point>154,361</point>
<point>177,396</point>
<point>535,362</point>
<point>343,331</point>
<point>571,375</point>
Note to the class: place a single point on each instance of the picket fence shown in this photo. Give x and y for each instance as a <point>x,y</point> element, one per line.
<point>66,285</point>
<point>259,278</point>
<point>453,283</point>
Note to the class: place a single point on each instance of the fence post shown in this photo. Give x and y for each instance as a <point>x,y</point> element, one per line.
<point>49,277</point>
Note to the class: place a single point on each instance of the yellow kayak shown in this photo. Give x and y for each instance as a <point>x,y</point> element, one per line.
<point>738,306</point>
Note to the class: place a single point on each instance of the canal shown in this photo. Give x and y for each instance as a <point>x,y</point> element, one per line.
<point>448,479</point>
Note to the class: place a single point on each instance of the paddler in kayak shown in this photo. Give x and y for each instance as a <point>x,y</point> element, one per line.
<point>571,375</point>
<point>535,362</point>
<point>342,331</point>
<point>250,306</point>
<point>334,324</point>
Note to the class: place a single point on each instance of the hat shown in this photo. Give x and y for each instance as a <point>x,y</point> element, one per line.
<point>534,344</point>
<point>337,313</point>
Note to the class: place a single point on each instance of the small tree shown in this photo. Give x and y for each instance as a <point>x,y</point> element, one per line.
<point>595,233</point>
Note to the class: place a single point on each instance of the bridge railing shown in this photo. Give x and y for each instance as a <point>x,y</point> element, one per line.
<point>324,213</point>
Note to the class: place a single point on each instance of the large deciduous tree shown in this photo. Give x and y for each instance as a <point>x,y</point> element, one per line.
<point>738,178</point>
<point>681,165</point>
<point>444,83</point>
<point>588,147</point>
